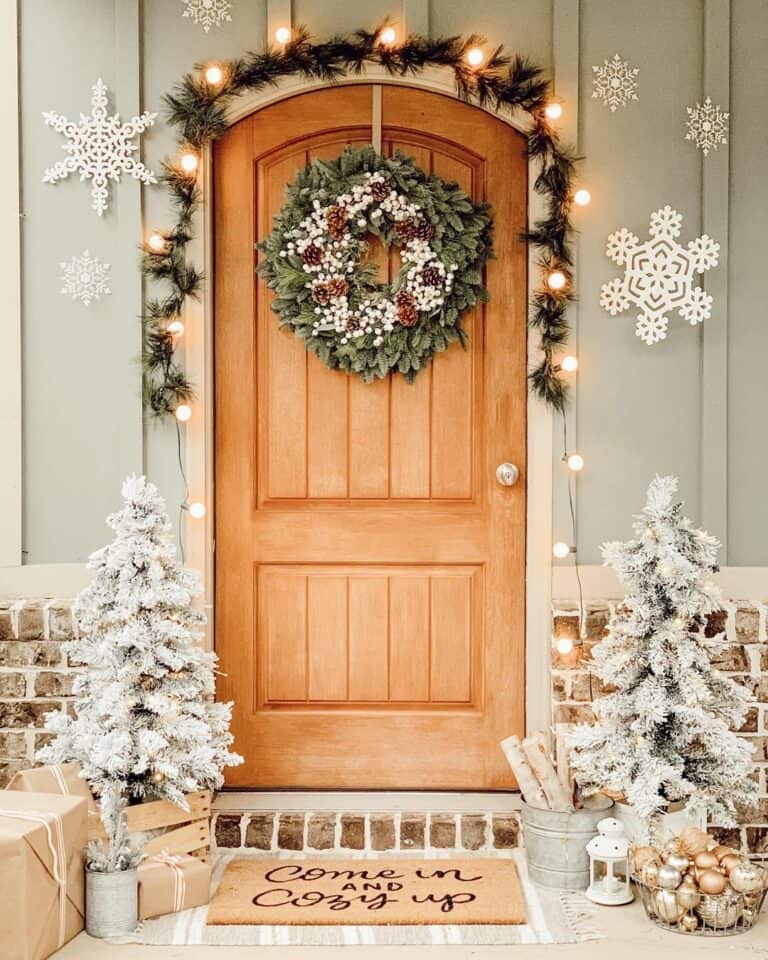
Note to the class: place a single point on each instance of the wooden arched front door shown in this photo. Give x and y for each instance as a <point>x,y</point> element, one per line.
<point>370,569</point>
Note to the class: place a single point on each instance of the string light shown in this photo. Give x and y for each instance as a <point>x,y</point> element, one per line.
<point>196,510</point>
<point>189,162</point>
<point>387,36</point>
<point>582,197</point>
<point>183,412</point>
<point>564,645</point>
<point>569,364</point>
<point>556,280</point>
<point>554,110</point>
<point>561,550</point>
<point>575,462</point>
<point>475,56</point>
<point>283,35</point>
<point>175,328</point>
<point>157,242</point>
<point>214,75</point>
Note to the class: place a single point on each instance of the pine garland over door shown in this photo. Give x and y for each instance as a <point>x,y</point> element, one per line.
<point>198,109</point>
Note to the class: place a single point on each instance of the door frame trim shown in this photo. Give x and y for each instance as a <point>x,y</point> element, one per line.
<point>199,449</point>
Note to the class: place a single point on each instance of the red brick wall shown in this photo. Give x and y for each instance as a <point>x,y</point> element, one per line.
<point>745,659</point>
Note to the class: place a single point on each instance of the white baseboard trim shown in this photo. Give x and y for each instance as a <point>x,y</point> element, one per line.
<point>366,801</point>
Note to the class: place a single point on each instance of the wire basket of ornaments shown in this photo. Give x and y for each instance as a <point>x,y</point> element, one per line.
<point>696,886</point>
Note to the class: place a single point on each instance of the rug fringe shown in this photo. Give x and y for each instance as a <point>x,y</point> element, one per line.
<point>580,914</point>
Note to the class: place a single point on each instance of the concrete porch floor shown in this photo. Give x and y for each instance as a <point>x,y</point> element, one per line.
<point>629,937</point>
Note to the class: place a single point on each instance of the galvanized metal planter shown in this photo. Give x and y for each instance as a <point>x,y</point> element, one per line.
<point>111,903</point>
<point>556,845</point>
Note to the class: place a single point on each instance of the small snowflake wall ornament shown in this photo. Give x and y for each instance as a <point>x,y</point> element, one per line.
<point>659,275</point>
<point>208,13</point>
<point>99,147</point>
<point>707,126</point>
<point>615,83</point>
<point>85,278</point>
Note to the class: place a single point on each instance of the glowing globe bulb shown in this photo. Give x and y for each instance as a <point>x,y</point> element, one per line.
<point>387,36</point>
<point>475,57</point>
<point>575,462</point>
<point>175,328</point>
<point>214,75</point>
<point>189,162</point>
<point>157,242</point>
<point>564,645</point>
<point>183,412</point>
<point>197,510</point>
<point>283,35</point>
<point>582,197</point>
<point>560,550</point>
<point>556,280</point>
<point>569,364</point>
<point>554,110</point>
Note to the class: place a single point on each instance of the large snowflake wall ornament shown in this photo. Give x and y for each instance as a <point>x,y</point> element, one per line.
<point>85,278</point>
<point>658,275</point>
<point>208,13</point>
<point>707,126</point>
<point>100,148</point>
<point>615,83</point>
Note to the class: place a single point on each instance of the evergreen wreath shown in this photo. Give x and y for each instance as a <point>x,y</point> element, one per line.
<point>198,109</point>
<point>332,301</point>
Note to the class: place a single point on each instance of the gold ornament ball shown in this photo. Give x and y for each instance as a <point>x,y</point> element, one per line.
<point>679,861</point>
<point>669,877</point>
<point>721,851</point>
<point>729,861</point>
<point>688,895</point>
<point>157,777</point>
<point>712,882</point>
<point>705,861</point>
<point>666,906</point>
<point>649,874</point>
<point>689,922</point>
<point>747,877</point>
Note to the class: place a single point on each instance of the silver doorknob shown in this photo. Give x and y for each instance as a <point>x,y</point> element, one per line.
<point>507,474</point>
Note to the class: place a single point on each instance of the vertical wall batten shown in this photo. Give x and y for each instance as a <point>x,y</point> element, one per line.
<point>715,222</point>
<point>416,17</point>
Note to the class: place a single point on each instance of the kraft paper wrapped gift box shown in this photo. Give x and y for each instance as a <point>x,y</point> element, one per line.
<point>169,883</point>
<point>63,778</point>
<point>42,880</point>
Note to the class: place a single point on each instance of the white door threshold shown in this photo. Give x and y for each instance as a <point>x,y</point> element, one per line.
<point>366,801</point>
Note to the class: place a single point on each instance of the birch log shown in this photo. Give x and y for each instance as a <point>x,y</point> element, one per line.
<point>537,755</point>
<point>563,760</point>
<point>526,780</point>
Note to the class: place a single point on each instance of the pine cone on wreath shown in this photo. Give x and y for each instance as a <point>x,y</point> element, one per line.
<point>407,313</point>
<point>431,277</point>
<point>312,254</point>
<point>336,219</point>
<point>424,230</point>
<point>379,190</point>
<point>321,293</point>
<point>406,230</point>
<point>338,287</point>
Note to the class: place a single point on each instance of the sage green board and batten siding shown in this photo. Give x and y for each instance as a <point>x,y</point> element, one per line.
<point>639,409</point>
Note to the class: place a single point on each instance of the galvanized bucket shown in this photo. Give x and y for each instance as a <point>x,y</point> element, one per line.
<point>556,844</point>
<point>111,903</point>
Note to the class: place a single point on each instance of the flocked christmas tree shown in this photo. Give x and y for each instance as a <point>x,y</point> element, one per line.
<point>146,723</point>
<point>665,733</point>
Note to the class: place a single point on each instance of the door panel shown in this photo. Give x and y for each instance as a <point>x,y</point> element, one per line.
<point>370,571</point>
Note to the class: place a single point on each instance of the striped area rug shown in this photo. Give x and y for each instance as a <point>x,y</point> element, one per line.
<point>552,917</point>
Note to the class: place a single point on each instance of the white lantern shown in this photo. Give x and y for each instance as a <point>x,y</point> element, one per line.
<point>609,865</point>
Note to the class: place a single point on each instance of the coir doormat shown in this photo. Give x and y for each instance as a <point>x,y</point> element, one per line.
<point>321,892</point>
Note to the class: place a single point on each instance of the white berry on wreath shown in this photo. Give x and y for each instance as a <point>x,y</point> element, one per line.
<point>313,260</point>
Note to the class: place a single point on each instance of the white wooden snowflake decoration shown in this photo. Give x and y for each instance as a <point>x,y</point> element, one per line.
<point>707,126</point>
<point>100,148</point>
<point>85,278</point>
<point>208,13</point>
<point>658,275</point>
<point>615,83</point>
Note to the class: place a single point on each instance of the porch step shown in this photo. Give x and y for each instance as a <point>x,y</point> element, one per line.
<point>341,830</point>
